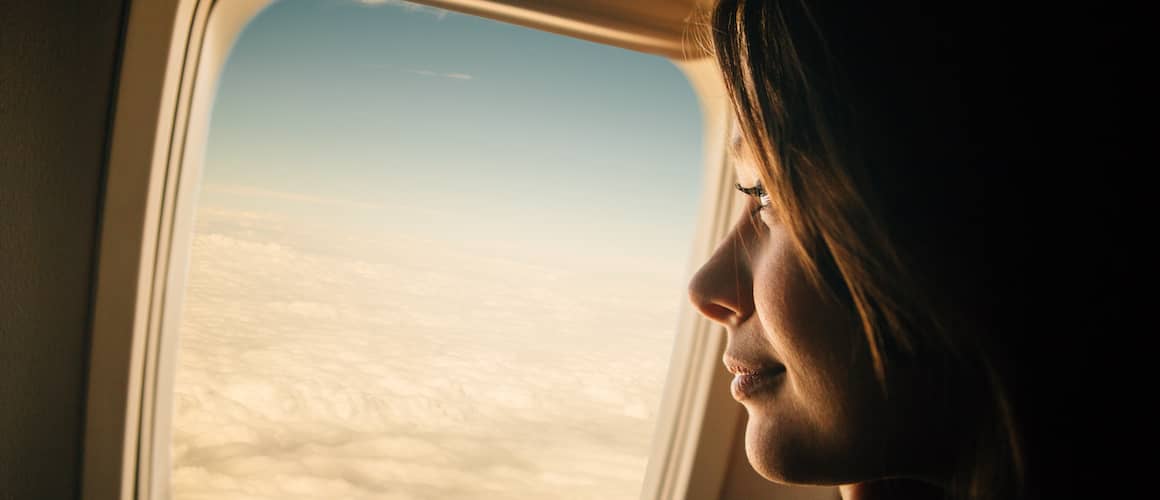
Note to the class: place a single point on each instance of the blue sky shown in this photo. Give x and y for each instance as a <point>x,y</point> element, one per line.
<point>436,122</point>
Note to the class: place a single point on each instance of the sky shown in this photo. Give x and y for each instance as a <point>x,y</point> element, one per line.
<point>478,125</point>
<point>435,257</point>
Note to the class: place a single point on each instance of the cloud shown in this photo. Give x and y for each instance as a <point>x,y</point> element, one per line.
<point>254,192</point>
<point>417,372</point>
<point>427,72</point>
<point>439,14</point>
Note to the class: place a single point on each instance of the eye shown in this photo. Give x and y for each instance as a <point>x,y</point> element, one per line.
<point>756,191</point>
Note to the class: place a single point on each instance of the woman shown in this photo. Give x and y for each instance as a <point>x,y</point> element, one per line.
<point>866,292</point>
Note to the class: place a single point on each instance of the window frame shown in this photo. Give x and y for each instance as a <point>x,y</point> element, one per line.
<point>158,143</point>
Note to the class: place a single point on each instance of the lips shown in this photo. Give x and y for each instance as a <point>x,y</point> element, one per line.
<point>751,378</point>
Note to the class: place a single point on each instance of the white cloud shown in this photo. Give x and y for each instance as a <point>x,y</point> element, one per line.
<point>427,72</point>
<point>439,14</point>
<point>420,372</point>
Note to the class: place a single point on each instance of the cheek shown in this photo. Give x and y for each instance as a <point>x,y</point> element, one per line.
<point>814,424</point>
<point>816,338</point>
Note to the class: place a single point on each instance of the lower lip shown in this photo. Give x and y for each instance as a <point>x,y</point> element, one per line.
<point>747,386</point>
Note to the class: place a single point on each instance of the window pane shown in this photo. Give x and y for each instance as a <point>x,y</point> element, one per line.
<point>435,257</point>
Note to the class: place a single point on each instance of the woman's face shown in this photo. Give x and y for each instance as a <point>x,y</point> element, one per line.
<point>802,366</point>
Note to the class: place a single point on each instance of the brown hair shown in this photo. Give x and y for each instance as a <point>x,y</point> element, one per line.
<point>857,121</point>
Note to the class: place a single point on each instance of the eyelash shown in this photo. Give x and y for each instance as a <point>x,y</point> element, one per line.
<point>757,191</point>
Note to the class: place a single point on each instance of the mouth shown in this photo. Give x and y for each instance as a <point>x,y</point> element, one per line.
<point>751,379</point>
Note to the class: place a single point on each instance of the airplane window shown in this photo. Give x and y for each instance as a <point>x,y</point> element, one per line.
<point>435,257</point>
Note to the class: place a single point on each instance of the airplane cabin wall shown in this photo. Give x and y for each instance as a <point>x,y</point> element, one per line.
<point>57,73</point>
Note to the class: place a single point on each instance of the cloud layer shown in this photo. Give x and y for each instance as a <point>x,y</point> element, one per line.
<point>393,368</point>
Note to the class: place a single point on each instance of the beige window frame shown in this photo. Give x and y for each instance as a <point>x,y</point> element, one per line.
<point>174,53</point>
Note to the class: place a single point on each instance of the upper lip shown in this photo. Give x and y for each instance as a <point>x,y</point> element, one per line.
<point>739,366</point>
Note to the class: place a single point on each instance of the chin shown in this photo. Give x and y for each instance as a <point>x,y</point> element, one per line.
<point>784,454</point>
<point>780,455</point>
<point>785,450</point>
<point>891,489</point>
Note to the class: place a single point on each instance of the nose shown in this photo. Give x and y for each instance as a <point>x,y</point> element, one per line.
<point>722,290</point>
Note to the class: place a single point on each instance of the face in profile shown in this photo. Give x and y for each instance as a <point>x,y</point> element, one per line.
<point>803,368</point>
